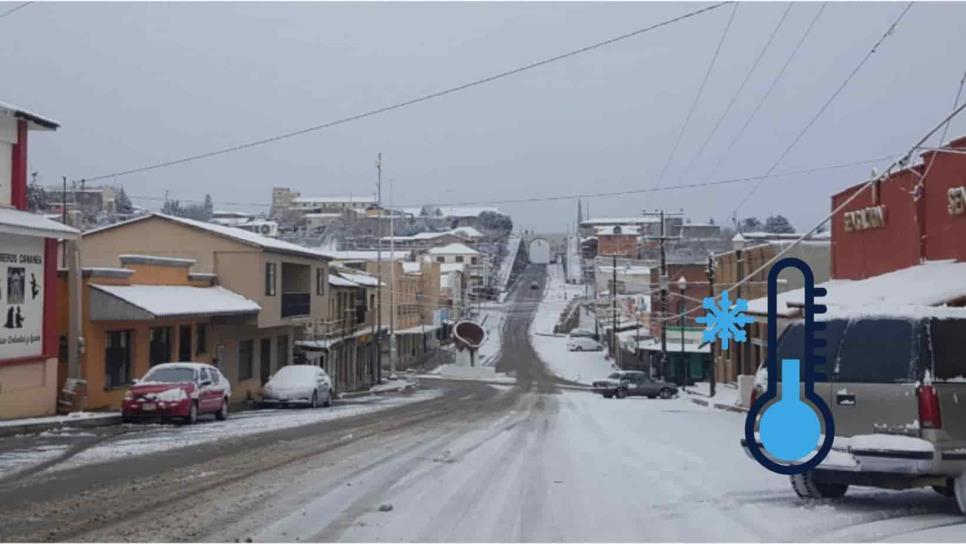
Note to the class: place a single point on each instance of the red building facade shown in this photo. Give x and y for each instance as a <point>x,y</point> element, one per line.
<point>917,214</point>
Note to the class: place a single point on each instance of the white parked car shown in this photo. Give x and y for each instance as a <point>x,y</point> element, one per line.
<point>582,343</point>
<point>305,385</point>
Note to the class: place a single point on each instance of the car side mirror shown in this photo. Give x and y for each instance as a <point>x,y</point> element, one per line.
<point>135,381</point>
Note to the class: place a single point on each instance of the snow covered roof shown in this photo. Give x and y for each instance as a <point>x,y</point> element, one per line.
<point>359,278</point>
<point>239,235</point>
<point>620,221</point>
<point>336,280</point>
<point>933,283</point>
<point>453,249</point>
<point>468,232</point>
<point>35,120</point>
<point>161,301</point>
<point>673,346</point>
<point>619,229</point>
<point>335,199</point>
<point>411,267</point>
<point>13,221</point>
<point>365,255</point>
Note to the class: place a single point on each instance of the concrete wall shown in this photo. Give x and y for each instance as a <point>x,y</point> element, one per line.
<point>28,390</point>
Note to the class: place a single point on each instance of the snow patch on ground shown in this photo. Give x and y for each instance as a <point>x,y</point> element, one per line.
<point>15,461</point>
<point>168,437</point>
<point>577,366</point>
<point>73,416</point>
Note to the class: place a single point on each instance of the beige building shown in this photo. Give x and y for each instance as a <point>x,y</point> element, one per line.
<point>458,253</point>
<point>288,282</point>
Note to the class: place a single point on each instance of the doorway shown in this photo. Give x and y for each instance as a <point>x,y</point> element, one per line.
<point>184,343</point>
<point>265,359</point>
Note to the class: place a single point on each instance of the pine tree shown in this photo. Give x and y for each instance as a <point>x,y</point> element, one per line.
<point>122,202</point>
<point>778,224</point>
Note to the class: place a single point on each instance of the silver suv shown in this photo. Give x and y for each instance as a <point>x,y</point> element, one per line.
<point>896,385</point>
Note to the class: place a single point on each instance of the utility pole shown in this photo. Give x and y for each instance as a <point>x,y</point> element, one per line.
<point>392,288</point>
<point>712,380</point>
<point>664,286</point>
<point>613,308</point>
<point>379,268</point>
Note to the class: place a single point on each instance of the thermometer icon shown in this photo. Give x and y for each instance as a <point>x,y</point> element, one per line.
<point>790,428</point>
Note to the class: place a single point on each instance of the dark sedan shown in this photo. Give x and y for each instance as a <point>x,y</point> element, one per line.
<point>634,382</point>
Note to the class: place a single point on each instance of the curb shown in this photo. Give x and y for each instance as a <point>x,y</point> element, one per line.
<point>357,394</point>
<point>38,427</point>
<point>719,406</point>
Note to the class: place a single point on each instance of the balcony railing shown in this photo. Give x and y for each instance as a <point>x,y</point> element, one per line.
<point>296,304</point>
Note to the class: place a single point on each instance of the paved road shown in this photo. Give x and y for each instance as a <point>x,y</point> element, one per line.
<point>478,463</point>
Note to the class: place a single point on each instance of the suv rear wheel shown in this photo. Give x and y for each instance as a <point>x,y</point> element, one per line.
<point>806,487</point>
<point>621,393</point>
<point>959,487</point>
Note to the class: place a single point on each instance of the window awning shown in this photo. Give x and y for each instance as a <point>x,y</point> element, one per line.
<point>14,221</point>
<point>148,302</point>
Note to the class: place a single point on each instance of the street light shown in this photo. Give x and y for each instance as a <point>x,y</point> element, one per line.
<point>682,287</point>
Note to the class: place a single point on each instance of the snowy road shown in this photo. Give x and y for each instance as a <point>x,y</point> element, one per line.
<point>474,463</point>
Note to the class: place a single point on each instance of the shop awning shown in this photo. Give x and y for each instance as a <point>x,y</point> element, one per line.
<point>933,283</point>
<point>147,302</point>
<point>14,221</point>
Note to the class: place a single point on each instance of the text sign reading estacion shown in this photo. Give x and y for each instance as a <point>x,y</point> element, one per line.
<point>21,296</point>
<point>873,217</point>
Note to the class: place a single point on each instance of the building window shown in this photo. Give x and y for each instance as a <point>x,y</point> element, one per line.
<point>459,258</point>
<point>320,281</point>
<point>202,339</point>
<point>473,260</point>
<point>117,358</point>
<point>270,279</point>
<point>160,345</point>
<point>246,359</point>
<point>440,260</point>
<point>282,350</point>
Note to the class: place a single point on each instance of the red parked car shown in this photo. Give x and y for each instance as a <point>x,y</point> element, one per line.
<point>178,390</point>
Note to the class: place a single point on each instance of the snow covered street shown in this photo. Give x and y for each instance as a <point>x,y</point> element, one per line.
<point>581,367</point>
<point>456,461</point>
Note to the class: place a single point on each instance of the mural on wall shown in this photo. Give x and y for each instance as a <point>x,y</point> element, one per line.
<point>21,297</point>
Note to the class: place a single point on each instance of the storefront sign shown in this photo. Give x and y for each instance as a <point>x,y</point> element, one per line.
<point>957,201</point>
<point>873,217</point>
<point>21,296</point>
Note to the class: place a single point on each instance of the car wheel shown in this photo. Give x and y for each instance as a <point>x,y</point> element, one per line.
<point>959,488</point>
<point>328,399</point>
<point>578,348</point>
<point>315,399</point>
<point>947,490</point>
<point>666,393</point>
<point>621,393</point>
<point>222,413</point>
<point>127,419</point>
<point>806,487</point>
<point>192,416</point>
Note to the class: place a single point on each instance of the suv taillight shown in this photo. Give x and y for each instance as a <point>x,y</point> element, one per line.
<point>929,416</point>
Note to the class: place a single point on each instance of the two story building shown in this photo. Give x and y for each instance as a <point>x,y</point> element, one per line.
<point>288,282</point>
<point>28,278</point>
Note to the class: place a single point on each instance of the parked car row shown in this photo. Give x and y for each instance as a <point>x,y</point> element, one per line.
<point>184,391</point>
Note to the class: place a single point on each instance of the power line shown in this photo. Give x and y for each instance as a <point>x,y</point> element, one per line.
<point>15,8</point>
<point>771,87</point>
<point>572,196</point>
<point>694,104</point>
<point>902,162</point>
<point>744,82</point>
<point>828,102</point>
<point>417,100</point>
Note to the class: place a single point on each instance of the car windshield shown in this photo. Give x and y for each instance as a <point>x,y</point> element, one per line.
<point>615,376</point>
<point>171,374</point>
<point>294,375</point>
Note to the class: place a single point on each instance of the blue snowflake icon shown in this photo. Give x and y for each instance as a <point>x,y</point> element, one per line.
<point>724,320</point>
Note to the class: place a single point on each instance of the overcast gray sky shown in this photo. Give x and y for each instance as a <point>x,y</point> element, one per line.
<point>134,84</point>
